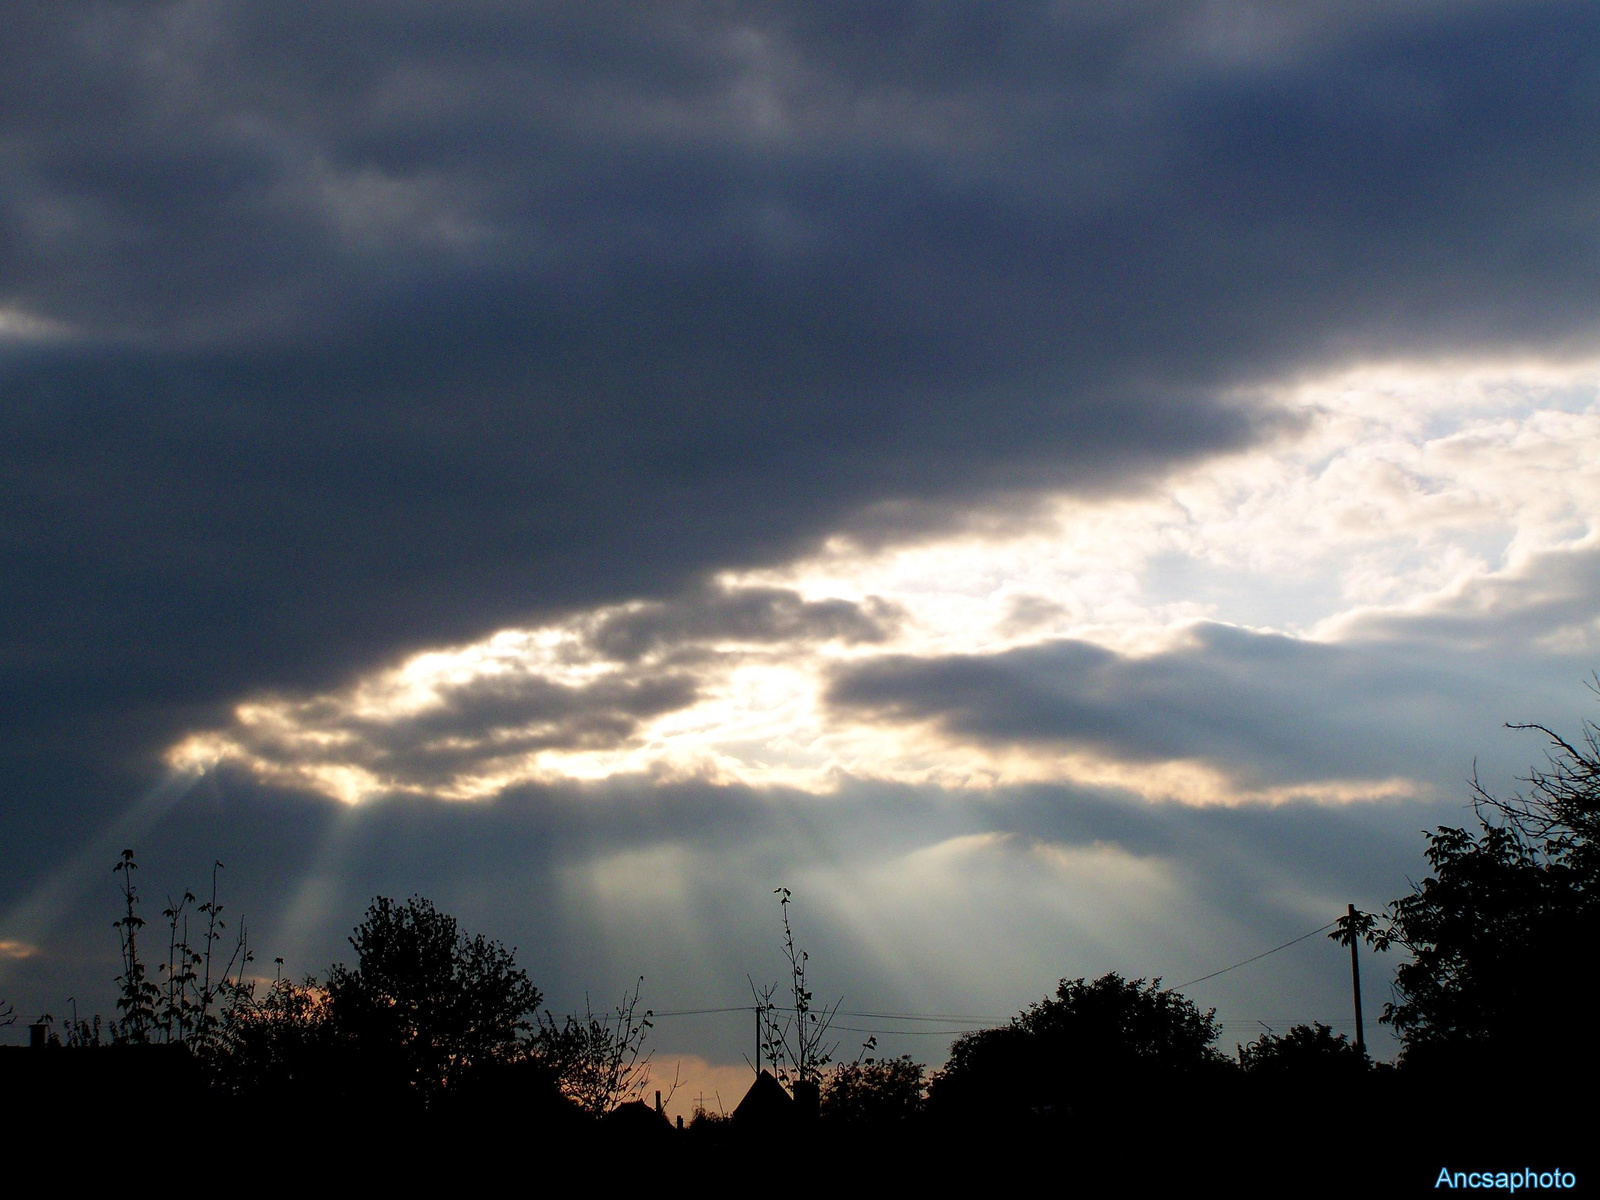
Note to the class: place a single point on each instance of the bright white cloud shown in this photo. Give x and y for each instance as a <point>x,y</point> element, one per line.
<point>1399,484</point>
<point>1400,493</point>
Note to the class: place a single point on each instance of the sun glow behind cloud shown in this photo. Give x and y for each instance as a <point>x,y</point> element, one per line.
<point>1397,491</point>
<point>20,326</point>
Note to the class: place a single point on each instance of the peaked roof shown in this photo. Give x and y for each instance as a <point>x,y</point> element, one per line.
<point>638,1118</point>
<point>766,1100</point>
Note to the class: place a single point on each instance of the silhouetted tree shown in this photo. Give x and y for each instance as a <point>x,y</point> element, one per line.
<point>598,1059</point>
<point>426,1008</point>
<point>1500,932</point>
<point>875,1091</point>
<point>1089,1043</point>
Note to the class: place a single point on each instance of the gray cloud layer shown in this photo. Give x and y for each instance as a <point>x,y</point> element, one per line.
<point>759,615</point>
<point>380,327</point>
<point>1264,709</point>
<point>1401,695</point>
<point>395,329</point>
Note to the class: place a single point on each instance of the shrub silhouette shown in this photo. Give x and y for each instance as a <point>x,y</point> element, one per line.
<point>1090,1042</point>
<point>1308,1052</point>
<point>279,1043</point>
<point>884,1091</point>
<point>598,1059</point>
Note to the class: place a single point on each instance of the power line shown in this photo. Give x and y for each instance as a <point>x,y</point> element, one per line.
<point>1257,957</point>
<point>965,1018</point>
<point>899,1033</point>
<point>962,1018</point>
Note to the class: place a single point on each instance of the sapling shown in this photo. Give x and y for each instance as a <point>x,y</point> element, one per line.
<point>797,1046</point>
<point>137,995</point>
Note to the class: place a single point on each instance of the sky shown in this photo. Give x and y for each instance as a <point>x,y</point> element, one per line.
<point>1062,488</point>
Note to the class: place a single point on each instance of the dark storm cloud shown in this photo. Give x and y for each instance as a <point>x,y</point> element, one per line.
<point>392,325</point>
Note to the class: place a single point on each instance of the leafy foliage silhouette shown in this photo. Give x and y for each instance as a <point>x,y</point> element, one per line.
<point>1306,1051</point>
<point>1084,1044</point>
<point>884,1091</point>
<point>797,1044</point>
<point>1499,932</point>
<point>280,1042</point>
<point>137,994</point>
<point>426,1008</point>
<point>176,1015</point>
<point>598,1060</point>
<point>187,1007</point>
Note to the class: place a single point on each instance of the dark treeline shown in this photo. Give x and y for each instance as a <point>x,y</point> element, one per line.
<point>433,1037</point>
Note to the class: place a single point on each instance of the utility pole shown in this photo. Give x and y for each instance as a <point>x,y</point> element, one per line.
<point>758,1041</point>
<point>1355,981</point>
